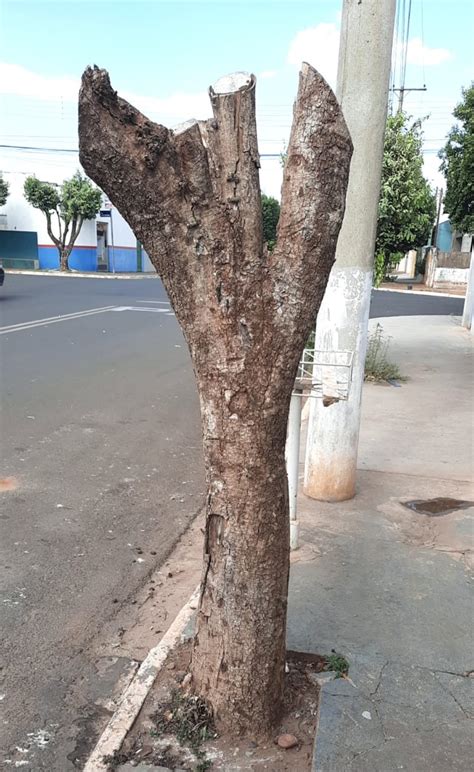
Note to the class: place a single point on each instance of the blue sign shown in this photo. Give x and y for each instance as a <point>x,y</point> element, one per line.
<point>105,213</point>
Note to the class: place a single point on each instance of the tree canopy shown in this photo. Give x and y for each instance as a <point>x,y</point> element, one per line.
<point>407,206</point>
<point>271,215</point>
<point>73,202</point>
<point>3,191</point>
<point>457,164</point>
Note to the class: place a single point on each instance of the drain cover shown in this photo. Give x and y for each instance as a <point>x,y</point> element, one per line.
<point>437,507</point>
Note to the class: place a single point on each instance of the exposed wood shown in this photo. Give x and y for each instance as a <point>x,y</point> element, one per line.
<point>192,198</point>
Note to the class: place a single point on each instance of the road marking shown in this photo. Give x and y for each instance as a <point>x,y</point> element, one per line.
<point>53,320</point>
<point>139,308</point>
<point>159,302</point>
<point>79,315</point>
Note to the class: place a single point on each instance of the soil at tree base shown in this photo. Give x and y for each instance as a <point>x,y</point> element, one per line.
<point>148,742</point>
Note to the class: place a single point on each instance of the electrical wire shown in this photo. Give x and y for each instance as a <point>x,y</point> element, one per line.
<point>405,51</point>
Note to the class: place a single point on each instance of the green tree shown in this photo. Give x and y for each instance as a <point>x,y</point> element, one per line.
<point>70,204</point>
<point>271,215</point>
<point>407,206</point>
<point>3,191</point>
<point>457,164</point>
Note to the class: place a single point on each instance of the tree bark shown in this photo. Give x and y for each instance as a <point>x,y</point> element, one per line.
<point>64,253</point>
<point>58,242</point>
<point>192,197</point>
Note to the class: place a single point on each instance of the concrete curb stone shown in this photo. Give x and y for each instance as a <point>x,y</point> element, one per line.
<point>134,696</point>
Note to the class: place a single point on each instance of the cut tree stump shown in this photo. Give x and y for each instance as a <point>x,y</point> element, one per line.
<point>192,197</point>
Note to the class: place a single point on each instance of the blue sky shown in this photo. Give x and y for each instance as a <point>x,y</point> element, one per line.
<point>164,55</point>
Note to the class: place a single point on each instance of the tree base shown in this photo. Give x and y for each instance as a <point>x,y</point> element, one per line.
<point>166,734</point>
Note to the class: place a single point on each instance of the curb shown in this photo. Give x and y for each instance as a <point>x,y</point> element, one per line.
<point>134,696</point>
<point>420,292</point>
<point>81,275</point>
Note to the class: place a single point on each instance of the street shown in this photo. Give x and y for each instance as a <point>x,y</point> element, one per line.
<point>100,437</point>
<point>101,470</point>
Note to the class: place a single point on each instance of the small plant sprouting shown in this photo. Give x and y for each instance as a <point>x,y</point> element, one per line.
<point>190,720</point>
<point>338,663</point>
<point>377,367</point>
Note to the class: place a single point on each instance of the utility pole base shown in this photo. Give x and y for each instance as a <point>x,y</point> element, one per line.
<point>333,483</point>
<point>294,534</point>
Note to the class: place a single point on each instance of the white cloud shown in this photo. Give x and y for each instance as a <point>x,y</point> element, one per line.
<point>175,108</point>
<point>18,81</point>
<point>319,46</point>
<point>267,74</point>
<point>420,55</point>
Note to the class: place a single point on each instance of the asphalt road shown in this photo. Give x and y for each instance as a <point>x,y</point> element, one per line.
<point>100,434</point>
<point>100,440</point>
<point>407,303</point>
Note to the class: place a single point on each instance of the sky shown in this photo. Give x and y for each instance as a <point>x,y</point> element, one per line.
<point>162,56</point>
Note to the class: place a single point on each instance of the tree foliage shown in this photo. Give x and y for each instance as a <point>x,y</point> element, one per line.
<point>3,191</point>
<point>457,164</point>
<point>271,215</point>
<point>69,205</point>
<point>407,206</point>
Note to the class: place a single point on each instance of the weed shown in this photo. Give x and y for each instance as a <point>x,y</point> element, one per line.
<point>190,720</point>
<point>114,760</point>
<point>377,366</point>
<point>338,663</point>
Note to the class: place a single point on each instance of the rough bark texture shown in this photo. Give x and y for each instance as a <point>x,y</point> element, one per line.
<point>192,198</point>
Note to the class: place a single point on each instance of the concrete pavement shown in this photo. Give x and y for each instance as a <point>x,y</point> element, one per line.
<point>388,587</point>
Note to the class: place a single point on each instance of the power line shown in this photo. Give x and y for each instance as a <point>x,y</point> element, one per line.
<point>41,149</point>
<point>72,150</point>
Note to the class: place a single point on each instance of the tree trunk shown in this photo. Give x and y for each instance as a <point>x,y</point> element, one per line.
<point>64,253</point>
<point>192,197</point>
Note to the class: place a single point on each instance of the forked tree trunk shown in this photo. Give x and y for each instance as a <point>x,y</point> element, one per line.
<point>192,197</point>
<point>64,258</point>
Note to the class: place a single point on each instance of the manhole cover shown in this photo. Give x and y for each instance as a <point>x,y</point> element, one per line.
<point>436,507</point>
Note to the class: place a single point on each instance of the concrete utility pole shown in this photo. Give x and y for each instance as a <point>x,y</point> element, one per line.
<point>362,91</point>
<point>468,311</point>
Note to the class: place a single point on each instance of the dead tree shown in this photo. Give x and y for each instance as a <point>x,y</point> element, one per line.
<point>192,197</point>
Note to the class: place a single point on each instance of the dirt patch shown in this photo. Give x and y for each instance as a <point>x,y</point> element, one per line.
<point>175,730</point>
<point>8,484</point>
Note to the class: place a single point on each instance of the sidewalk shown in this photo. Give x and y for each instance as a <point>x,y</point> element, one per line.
<point>380,583</point>
<point>388,587</point>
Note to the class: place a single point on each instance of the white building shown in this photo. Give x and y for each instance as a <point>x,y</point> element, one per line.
<point>104,244</point>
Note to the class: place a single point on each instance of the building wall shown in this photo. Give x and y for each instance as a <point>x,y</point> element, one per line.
<point>82,258</point>
<point>123,259</point>
<point>446,277</point>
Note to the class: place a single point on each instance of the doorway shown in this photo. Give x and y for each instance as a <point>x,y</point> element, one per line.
<point>102,247</point>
